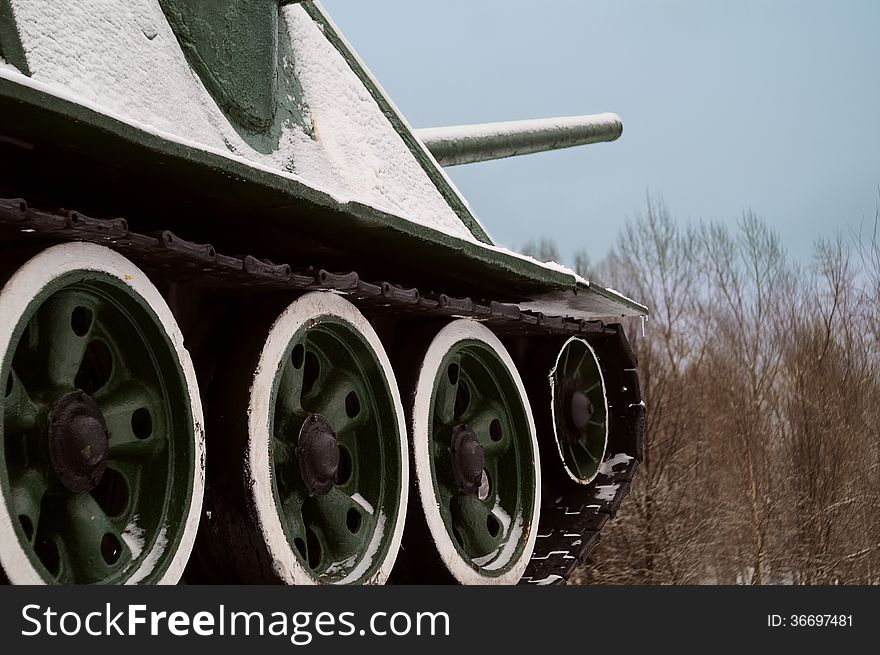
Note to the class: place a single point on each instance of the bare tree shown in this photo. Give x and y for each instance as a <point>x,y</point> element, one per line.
<point>583,266</point>
<point>543,249</point>
<point>763,434</point>
<point>655,260</point>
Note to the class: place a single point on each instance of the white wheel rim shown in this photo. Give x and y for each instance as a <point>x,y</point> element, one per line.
<point>462,570</point>
<point>556,436</point>
<point>25,284</point>
<point>308,309</point>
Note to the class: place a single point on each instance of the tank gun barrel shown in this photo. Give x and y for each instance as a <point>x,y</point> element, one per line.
<point>467,144</point>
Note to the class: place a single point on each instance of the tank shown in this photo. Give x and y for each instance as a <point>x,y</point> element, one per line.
<point>250,331</point>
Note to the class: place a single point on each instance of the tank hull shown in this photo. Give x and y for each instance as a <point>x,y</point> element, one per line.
<point>241,212</point>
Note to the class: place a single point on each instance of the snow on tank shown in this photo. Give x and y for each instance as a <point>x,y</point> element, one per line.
<point>273,85</point>
<point>124,57</point>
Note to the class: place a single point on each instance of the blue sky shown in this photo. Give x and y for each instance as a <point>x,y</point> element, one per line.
<point>768,105</point>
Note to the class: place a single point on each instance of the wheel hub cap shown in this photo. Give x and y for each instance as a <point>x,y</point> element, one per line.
<point>468,460</point>
<point>580,410</point>
<point>318,455</point>
<point>78,442</point>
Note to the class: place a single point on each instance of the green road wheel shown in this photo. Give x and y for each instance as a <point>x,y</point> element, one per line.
<point>326,469</point>
<point>579,410</point>
<point>102,447</point>
<point>476,456</point>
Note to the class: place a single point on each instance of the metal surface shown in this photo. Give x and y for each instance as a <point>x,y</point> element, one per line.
<point>333,408</point>
<point>570,521</point>
<point>468,461</point>
<point>573,517</point>
<point>468,144</point>
<point>234,194</point>
<point>78,442</point>
<point>448,190</point>
<point>201,265</point>
<point>580,410</point>
<point>233,45</point>
<point>62,138</point>
<point>317,452</point>
<point>95,397</point>
<point>65,146</point>
<point>478,424</point>
<point>10,42</point>
<point>238,64</point>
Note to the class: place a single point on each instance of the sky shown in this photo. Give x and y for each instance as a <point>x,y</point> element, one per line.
<point>771,106</point>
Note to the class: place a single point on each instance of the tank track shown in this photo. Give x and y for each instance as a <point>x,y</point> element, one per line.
<point>571,519</point>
